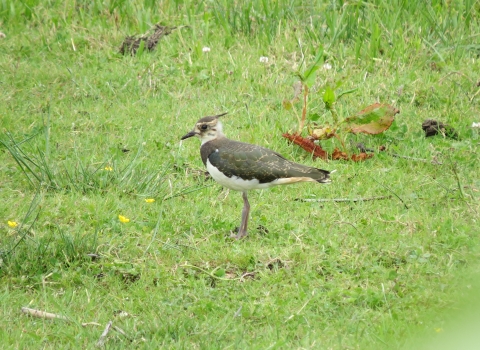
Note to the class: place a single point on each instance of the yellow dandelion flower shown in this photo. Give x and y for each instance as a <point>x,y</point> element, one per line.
<point>123,219</point>
<point>108,168</point>
<point>149,200</point>
<point>12,224</point>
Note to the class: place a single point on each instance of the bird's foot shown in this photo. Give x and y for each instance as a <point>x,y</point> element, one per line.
<point>239,233</point>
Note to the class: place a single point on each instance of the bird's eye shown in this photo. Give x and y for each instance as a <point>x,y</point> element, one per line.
<point>204,127</point>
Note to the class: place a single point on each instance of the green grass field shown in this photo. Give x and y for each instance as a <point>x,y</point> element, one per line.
<point>87,134</point>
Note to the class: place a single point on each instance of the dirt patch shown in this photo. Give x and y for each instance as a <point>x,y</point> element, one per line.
<point>432,127</point>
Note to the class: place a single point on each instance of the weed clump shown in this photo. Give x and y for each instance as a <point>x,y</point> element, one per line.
<point>132,44</point>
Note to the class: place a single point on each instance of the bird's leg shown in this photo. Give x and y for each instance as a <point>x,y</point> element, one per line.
<point>242,231</point>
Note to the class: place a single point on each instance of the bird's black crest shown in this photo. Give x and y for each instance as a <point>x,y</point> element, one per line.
<point>211,118</point>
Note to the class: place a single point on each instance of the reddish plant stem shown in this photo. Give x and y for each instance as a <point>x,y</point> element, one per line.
<point>304,110</point>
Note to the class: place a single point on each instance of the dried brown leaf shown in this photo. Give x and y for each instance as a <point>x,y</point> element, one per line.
<point>307,145</point>
<point>360,157</point>
<point>324,133</point>
<point>337,155</point>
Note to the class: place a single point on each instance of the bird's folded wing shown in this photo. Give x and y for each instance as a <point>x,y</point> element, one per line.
<point>249,162</point>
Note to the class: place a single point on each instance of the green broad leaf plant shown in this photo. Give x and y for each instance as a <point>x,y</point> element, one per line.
<point>372,120</point>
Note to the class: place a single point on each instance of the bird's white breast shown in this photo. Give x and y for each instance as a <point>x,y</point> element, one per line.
<point>236,183</point>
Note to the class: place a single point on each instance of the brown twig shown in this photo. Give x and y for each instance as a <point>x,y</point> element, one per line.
<point>121,331</point>
<point>406,157</point>
<point>42,314</point>
<point>435,162</point>
<point>103,337</point>
<point>322,200</point>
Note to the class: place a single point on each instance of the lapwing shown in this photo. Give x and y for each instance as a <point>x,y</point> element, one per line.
<point>242,167</point>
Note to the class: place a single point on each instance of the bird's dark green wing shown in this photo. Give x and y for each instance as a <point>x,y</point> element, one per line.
<point>249,162</point>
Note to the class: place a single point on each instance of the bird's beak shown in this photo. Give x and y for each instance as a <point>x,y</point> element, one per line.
<point>190,134</point>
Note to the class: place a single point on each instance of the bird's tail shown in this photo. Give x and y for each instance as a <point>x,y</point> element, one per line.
<point>323,176</point>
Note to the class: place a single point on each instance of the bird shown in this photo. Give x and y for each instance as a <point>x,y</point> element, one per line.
<point>243,167</point>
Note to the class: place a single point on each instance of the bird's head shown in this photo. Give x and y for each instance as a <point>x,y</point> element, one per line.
<point>207,129</point>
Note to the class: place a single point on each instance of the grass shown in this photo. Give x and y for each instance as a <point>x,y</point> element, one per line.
<point>88,135</point>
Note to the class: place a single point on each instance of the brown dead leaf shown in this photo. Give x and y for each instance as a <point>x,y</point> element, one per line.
<point>360,157</point>
<point>337,155</point>
<point>324,133</point>
<point>307,145</point>
<point>318,152</point>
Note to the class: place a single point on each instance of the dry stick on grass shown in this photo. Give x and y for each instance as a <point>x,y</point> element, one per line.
<point>42,314</point>
<point>50,316</point>
<point>343,199</point>
<point>413,158</point>
<point>103,337</point>
<point>121,331</point>
<point>434,161</point>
